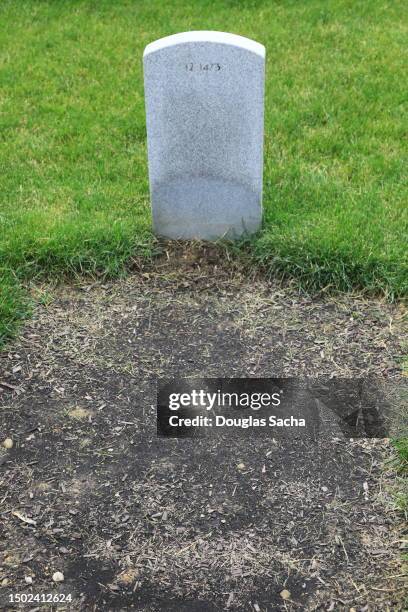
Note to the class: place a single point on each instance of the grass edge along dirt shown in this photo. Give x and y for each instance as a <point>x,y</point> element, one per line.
<point>107,256</point>
<point>14,305</point>
<point>401,494</point>
<point>73,179</point>
<point>401,473</point>
<point>401,447</point>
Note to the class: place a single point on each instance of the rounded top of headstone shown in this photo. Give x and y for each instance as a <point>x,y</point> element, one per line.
<point>223,38</point>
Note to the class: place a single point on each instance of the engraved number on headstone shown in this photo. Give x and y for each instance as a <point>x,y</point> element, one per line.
<point>196,67</point>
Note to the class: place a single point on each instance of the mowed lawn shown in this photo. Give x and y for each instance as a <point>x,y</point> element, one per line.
<point>73,168</point>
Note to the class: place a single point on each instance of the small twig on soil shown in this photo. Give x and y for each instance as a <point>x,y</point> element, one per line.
<point>398,576</point>
<point>8,386</point>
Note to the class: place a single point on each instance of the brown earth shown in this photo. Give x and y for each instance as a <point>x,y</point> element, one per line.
<point>136,522</point>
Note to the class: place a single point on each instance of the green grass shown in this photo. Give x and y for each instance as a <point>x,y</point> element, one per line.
<point>73,170</point>
<point>401,465</point>
<point>401,446</point>
<point>14,305</point>
<point>401,495</point>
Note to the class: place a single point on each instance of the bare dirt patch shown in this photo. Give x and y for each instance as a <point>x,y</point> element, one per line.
<point>140,523</point>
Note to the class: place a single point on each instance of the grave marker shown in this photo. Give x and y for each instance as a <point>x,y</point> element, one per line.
<point>204,96</point>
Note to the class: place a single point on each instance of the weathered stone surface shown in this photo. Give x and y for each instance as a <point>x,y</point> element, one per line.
<point>204,111</point>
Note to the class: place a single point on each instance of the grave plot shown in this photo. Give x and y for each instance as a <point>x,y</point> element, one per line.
<point>140,523</point>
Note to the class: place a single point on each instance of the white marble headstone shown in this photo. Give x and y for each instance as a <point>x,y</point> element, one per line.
<point>204,112</point>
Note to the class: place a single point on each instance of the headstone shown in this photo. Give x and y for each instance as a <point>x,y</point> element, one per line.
<point>204,112</point>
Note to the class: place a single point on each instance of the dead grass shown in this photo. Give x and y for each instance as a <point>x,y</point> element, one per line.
<point>133,520</point>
